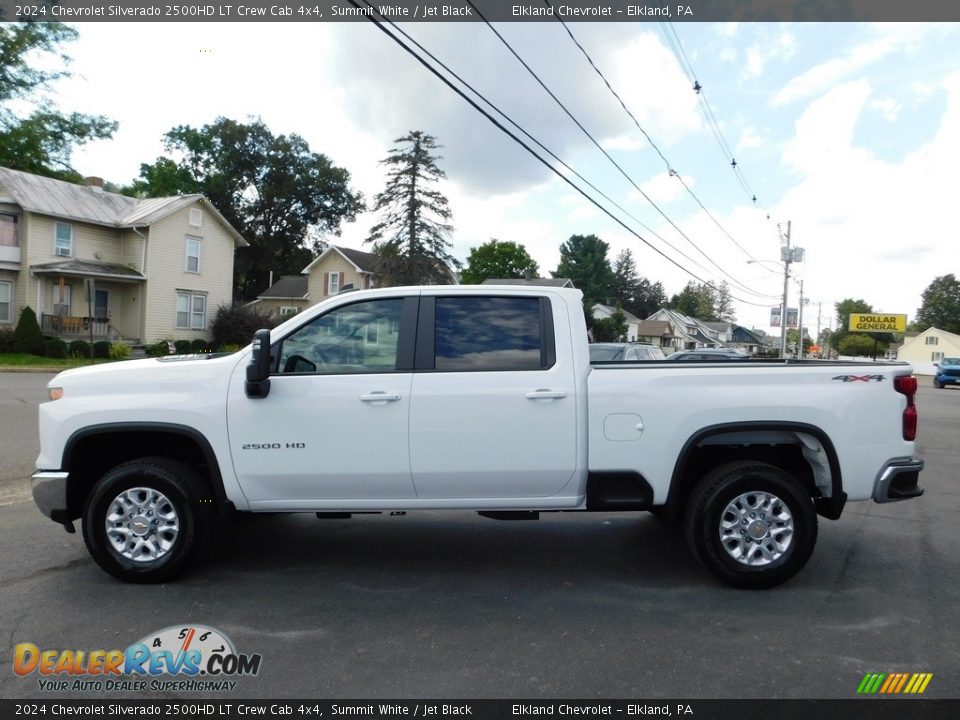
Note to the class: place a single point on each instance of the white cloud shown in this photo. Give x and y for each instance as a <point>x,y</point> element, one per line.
<point>888,40</point>
<point>749,139</point>
<point>662,188</point>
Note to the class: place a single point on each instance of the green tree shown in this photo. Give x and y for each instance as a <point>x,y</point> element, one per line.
<point>282,197</point>
<point>635,293</point>
<point>696,300</point>
<point>583,259</point>
<point>858,345</point>
<point>611,329</point>
<point>844,308</point>
<point>411,237</point>
<point>27,337</point>
<point>723,303</point>
<point>941,305</point>
<point>496,259</point>
<point>35,136</point>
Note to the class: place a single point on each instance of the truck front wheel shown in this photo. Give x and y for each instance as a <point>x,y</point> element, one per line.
<point>147,520</point>
<point>751,524</point>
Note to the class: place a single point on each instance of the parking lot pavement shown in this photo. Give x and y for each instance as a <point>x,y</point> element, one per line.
<point>452,605</point>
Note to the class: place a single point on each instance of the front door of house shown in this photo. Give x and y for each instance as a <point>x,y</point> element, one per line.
<point>100,304</point>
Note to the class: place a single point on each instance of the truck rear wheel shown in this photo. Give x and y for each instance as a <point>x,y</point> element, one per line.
<point>751,524</point>
<point>148,520</point>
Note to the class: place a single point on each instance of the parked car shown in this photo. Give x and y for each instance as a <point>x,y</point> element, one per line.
<point>708,355</point>
<point>624,352</point>
<point>948,372</point>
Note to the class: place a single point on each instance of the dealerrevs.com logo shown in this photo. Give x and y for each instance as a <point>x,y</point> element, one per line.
<point>180,658</point>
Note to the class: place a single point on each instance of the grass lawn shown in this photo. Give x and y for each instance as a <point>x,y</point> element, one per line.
<point>27,360</point>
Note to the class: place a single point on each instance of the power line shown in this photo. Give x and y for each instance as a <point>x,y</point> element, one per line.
<point>380,25</point>
<point>541,145</point>
<point>676,47</point>
<point>607,155</point>
<point>636,122</point>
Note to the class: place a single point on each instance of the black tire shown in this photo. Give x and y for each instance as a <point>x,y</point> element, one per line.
<point>937,385</point>
<point>705,513</point>
<point>186,496</point>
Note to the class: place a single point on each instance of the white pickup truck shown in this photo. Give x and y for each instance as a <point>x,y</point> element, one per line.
<point>479,398</point>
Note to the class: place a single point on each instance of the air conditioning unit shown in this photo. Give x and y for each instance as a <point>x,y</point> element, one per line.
<point>63,251</point>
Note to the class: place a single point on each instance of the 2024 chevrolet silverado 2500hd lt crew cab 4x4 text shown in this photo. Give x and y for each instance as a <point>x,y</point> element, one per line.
<point>479,398</point>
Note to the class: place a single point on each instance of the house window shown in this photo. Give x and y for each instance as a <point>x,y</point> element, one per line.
<point>61,305</point>
<point>191,311</point>
<point>196,217</point>
<point>193,254</point>
<point>933,340</point>
<point>8,231</point>
<point>936,357</point>
<point>6,301</point>
<point>288,310</point>
<point>63,240</point>
<point>333,284</point>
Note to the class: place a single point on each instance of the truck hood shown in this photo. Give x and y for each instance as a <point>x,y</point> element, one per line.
<point>175,369</point>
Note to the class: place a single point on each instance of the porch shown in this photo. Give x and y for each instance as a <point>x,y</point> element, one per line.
<point>70,327</point>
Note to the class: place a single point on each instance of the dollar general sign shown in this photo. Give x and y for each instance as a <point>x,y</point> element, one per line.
<point>877,323</point>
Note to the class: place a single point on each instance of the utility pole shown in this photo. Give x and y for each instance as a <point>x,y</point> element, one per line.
<point>786,255</point>
<point>819,311</point>
<point>800,325</point>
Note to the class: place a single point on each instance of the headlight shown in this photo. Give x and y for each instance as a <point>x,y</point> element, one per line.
<point>55,393</point>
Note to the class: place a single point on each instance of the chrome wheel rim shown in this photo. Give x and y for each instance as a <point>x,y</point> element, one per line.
<point>142,524</point>
<point>756,528</point>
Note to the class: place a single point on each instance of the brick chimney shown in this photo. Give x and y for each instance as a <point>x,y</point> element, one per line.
<point>94,183</point>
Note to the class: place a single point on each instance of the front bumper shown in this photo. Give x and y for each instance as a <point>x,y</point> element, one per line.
<point>50,495</point>
<point>898,480</point>
<point>947,379</point>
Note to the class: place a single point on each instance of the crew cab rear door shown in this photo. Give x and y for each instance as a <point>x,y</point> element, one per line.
<point>493,408</point>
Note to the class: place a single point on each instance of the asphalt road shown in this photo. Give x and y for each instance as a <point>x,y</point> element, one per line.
<point>456,606</point>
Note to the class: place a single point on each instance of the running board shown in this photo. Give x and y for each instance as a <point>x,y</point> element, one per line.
<point>510,514</point>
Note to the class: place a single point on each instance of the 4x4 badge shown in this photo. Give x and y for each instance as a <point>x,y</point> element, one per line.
<point>858,378</point>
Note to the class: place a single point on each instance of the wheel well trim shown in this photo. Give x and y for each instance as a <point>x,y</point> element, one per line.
<point>694,440</point>
<point>216,478</point>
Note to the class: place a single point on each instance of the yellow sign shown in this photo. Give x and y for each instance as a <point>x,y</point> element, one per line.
<point>877,323</point>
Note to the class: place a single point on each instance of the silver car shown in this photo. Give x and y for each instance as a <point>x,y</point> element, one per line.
<point>624,352</point>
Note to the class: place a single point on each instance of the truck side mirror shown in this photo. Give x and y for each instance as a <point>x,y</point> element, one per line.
<point>258,371</point>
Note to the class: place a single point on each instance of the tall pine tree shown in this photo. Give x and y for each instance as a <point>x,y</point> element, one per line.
<point>411,237</point>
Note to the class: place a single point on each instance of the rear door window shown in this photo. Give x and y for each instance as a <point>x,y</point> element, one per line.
<point>489,333</point>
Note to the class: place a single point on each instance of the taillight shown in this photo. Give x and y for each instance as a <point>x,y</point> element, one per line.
<point>907,385</point>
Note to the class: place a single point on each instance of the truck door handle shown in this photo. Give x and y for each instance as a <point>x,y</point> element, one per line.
<point>544,394</point>
<point>380,396</point>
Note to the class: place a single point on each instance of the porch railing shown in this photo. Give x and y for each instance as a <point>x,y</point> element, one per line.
<point>70,326</point>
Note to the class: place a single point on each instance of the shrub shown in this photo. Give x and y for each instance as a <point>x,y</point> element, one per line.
<point>158,349</point>
<point>6,339</point>
<point>229,348</point>
<point>182,346</point>
<point>101,349</point>
<point>27,337</point>
<point>55,349</point>
<point>199,346</point>
<point>80,348</point>
<point>236,325</point>
<point>119,351</point>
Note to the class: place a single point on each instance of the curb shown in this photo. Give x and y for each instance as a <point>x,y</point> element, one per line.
<point>32,369</point>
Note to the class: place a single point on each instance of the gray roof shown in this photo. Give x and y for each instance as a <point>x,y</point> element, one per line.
<point>287,287</point>
<point>653,328</point>
<point>38,194</point>
<point>542,282</point>
<point>87,267</point>
<point>628,316</point>
<point>363,261</point>
<point>367,262</point>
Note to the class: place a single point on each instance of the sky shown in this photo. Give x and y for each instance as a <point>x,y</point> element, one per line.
<point>851,132</point>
